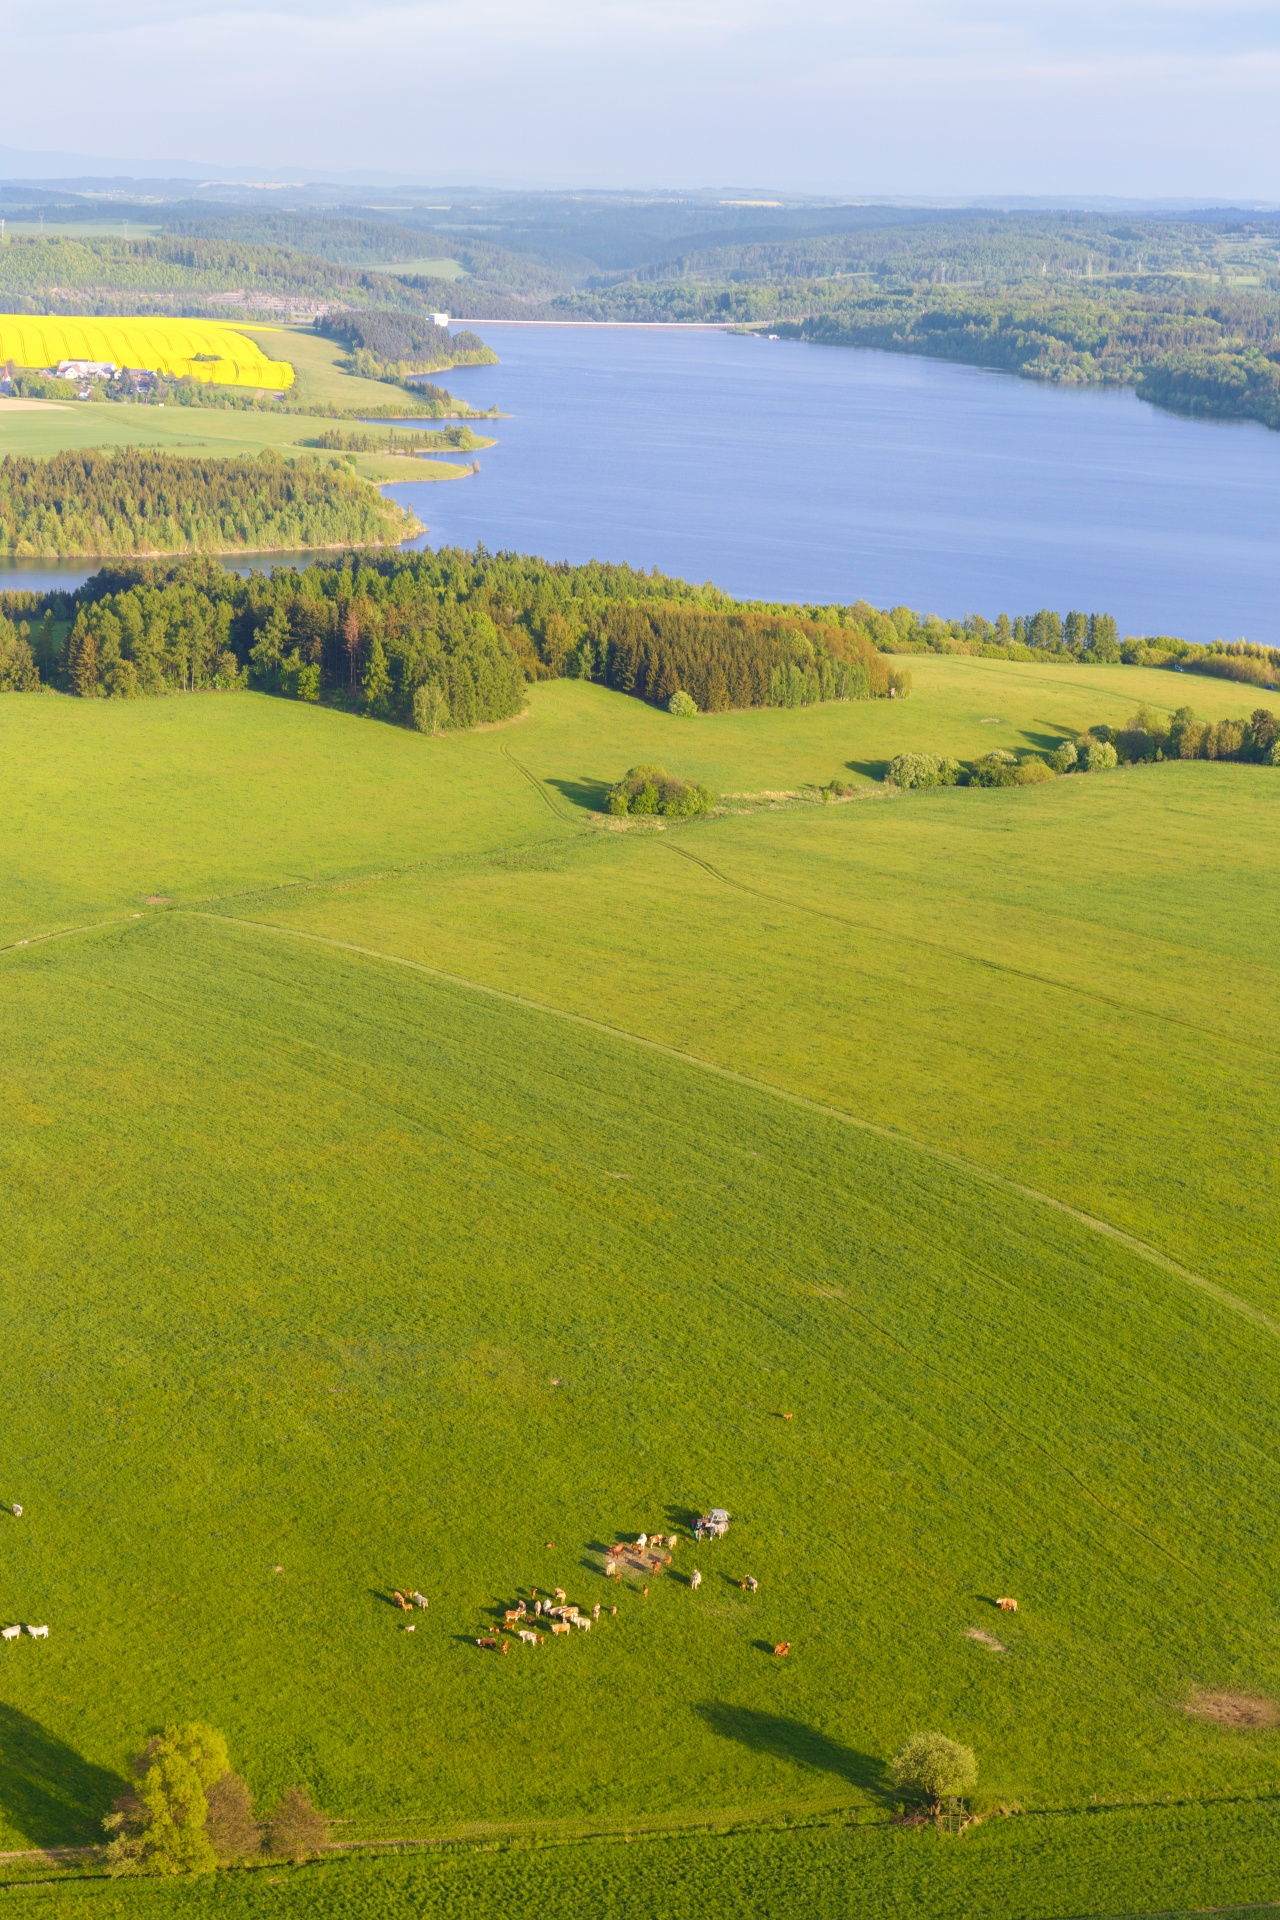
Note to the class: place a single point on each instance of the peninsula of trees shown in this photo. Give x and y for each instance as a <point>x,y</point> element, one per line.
<point>138,501</point>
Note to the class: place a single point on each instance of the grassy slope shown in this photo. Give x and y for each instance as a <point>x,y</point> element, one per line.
<point>305,1240</point>
<point>226,1149</point>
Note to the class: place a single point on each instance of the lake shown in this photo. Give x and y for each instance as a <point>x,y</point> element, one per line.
<point>787,471</point>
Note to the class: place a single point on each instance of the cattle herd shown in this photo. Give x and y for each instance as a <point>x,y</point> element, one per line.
<point>544,1616</point>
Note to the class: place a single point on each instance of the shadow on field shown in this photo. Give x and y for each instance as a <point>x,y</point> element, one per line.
<point>870,769</point>
<point>53,1796</point>
<point>791,1740</point>
<point>592,795</point>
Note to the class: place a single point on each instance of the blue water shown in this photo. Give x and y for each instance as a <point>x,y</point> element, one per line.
<point>796,472</point>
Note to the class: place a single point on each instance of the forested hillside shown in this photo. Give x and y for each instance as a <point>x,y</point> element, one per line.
<point>168,274</point>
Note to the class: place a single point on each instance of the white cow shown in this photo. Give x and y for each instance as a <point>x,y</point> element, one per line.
<point>580,1620</point>
<point>419,1600</point>
<point>9,1633</point>
<point>530,1639</point>
<point>695,1579</point>
<point>38,1633</point>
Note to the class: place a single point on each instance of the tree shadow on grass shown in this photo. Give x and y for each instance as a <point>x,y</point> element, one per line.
<point>591,795</point>
<point>791,1740</point>
<point>48,1792</point>
<point>870,769</point>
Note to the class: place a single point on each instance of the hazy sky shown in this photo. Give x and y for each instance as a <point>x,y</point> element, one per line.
<point>1147,97</point>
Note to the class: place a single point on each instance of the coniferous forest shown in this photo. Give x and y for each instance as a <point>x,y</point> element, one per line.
<point>137,500</point>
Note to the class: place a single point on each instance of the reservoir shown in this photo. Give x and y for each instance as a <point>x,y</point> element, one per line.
<point>786,471</point>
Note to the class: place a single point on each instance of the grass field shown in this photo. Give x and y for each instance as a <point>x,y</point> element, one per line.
<point>335,1264</point>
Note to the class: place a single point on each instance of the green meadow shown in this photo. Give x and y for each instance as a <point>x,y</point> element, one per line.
<point>411,1180</point>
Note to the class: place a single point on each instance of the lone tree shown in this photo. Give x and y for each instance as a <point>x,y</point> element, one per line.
<point>297,1828</point>
<point>932,1765</point>
<point>161,1827</point>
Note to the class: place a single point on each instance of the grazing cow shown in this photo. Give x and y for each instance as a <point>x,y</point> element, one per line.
<point>613,1609</point>
<point>529,1637</point>
<point>642,1541</point>
<point>695,1579</point>
<point>595,1611</point>
<point>1007,1606</point>
<point>645,1590</point>
<point>513,1616</point>
<point>610,1568</point>
<point>580,1620</point>
<point>401,1602</point>
<point>782,1649</point>
<point>488,1644</point>
<point>9,1633</point>
<point>419,1600</point>
<point>657,1539</point>
<point>38,1633</point>
<point>787,1416</point>
<point>410,1626</point>
<point>16,1511</point>
<point>559,1593</point>
<point>750,1584</point>
<point>560,1626</point>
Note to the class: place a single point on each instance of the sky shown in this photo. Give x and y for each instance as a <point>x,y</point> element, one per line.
<point>930,98</point>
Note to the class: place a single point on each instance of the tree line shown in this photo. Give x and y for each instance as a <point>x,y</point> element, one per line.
<point>1092,638</point>
<point>438,639</point>
<point>188,1812</point>
<point>138,500</point>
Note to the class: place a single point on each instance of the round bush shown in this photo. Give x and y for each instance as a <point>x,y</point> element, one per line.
<point>683,705</point>
<point>652,790</point>
<point>921,770</point>
<point>932,1765</point>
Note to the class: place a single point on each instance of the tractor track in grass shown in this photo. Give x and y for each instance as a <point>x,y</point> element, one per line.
<point>1114,1001</point>
<point>1141,1248</point>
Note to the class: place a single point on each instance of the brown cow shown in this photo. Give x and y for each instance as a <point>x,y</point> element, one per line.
<point>782,1649</point>
<point>1007,1606</point>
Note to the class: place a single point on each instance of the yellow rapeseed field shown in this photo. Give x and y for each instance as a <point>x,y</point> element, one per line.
<point>203,349</point>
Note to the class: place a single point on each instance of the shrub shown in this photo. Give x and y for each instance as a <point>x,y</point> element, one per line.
<point>900,683</point>
<point>1064,757</point>
<point>932,1765</point>
<point>922,770</point>
<point>1097,756</point>
<point>999,768</point>
<point>652,790</point>
<point>297,1827</point>
<point>682,704</point>
<point>1032,773</point>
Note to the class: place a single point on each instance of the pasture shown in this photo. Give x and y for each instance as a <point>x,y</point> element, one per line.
<point>329,1262</point>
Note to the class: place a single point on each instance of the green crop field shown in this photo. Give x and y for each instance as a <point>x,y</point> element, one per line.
<point>412,1180</point>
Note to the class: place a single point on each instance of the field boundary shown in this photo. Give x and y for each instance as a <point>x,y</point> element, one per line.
<point>1141,1248</point>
